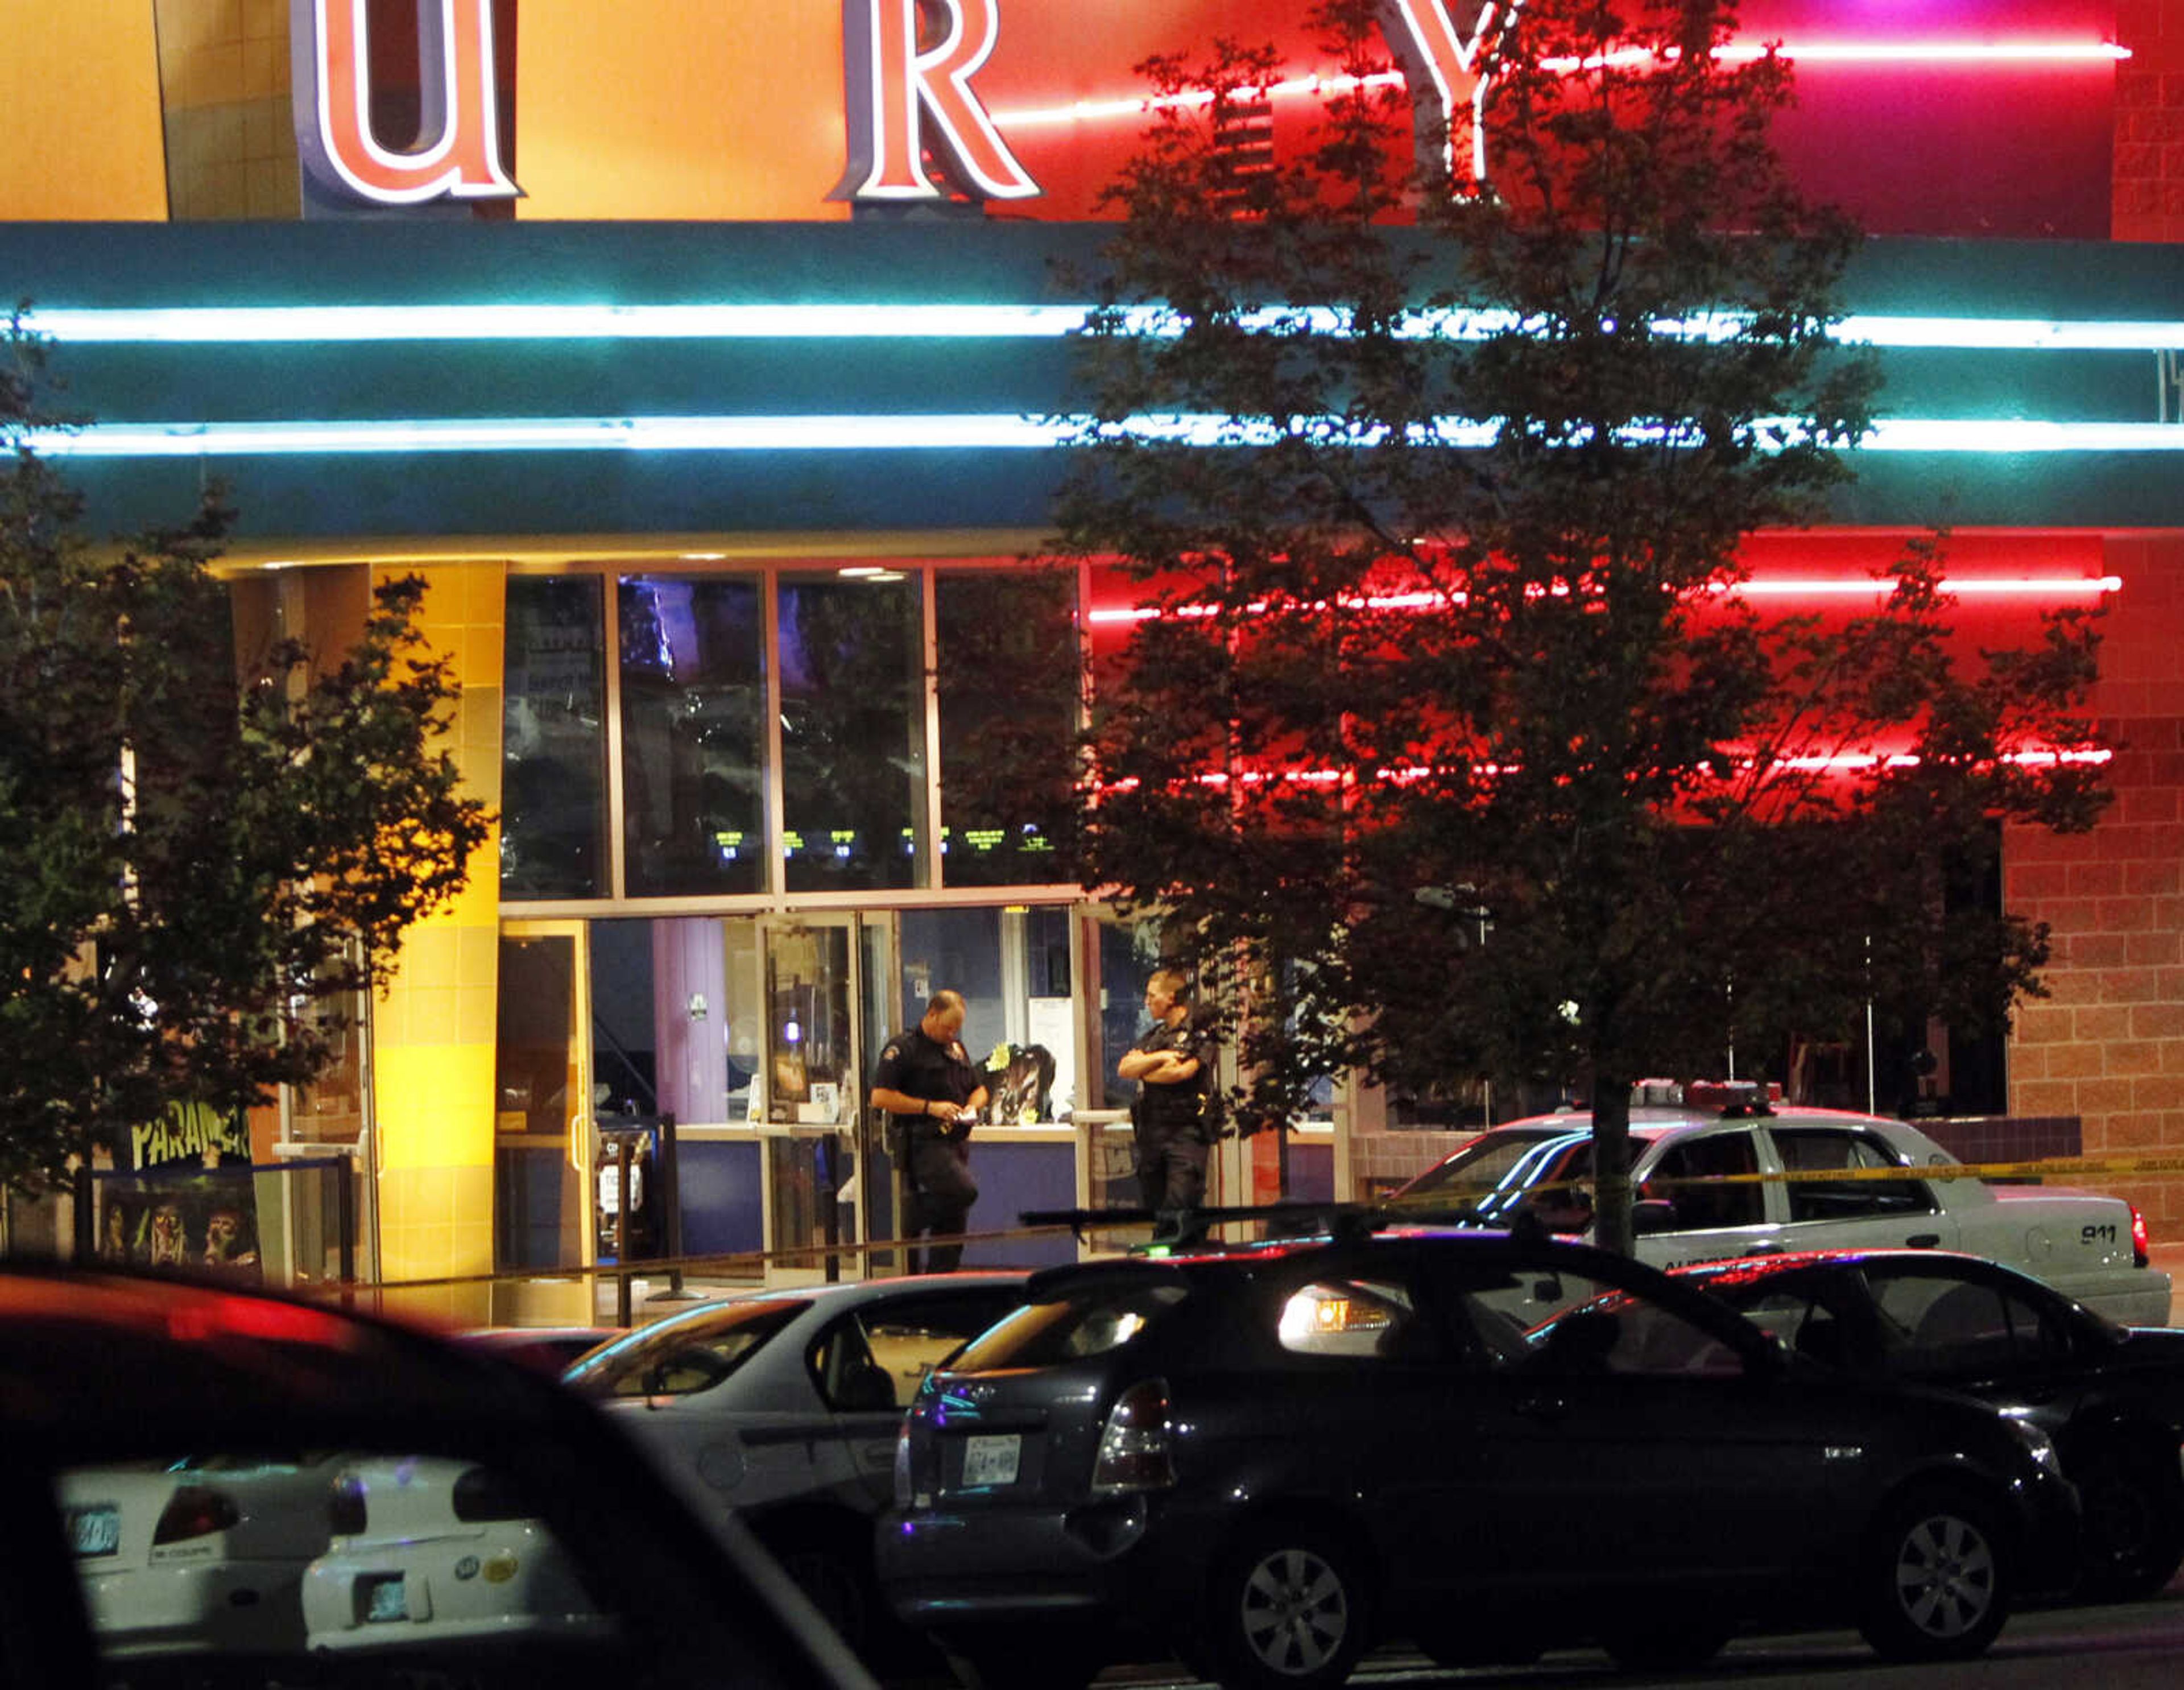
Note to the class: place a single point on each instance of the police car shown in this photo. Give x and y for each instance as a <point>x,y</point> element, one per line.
<point>1842,1181</point>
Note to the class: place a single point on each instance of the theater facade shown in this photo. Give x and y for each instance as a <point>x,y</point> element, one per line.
<point>698,357</point>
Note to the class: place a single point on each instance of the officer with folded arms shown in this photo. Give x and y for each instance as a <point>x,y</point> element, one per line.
<point>933,1096</point>
<point>1173,1063</point>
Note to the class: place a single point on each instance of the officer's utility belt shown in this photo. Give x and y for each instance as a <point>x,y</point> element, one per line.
<point>1185,1112</point>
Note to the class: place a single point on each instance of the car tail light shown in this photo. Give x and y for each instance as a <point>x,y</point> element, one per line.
<point>345,1509</point>
<point>2141,1256</point>
<point>194,1511</point>
<point>1135,1444</point>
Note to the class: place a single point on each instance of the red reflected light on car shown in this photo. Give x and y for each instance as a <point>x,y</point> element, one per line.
<point>217,1316</point>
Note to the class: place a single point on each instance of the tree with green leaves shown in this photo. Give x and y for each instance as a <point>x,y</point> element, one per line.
<point>1453,743</point>
<point>197,867</point>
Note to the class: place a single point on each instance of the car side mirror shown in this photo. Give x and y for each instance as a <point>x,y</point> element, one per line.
<point>1652,1215</point>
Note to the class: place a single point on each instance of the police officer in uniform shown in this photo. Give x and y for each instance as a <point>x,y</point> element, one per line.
<point>926,1083</point>
<point>1173,1063</point>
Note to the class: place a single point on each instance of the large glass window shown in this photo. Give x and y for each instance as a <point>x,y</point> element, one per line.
<point>552,797</point>
<point>1012,969</point>
<point>1007,662</point>
<point>852,731</point>
<point>694,733</point>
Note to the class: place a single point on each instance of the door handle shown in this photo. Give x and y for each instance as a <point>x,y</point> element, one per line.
<point>1923,1241</point>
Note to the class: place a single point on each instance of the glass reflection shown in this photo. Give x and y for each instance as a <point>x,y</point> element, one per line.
<point>852,732</point>
<point>693,723</point>
<point>553,800</point>
<point>1008,670</point>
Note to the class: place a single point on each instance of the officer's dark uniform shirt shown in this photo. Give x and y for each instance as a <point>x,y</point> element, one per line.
<point>1176,1103</point>
<point>916,1067</point>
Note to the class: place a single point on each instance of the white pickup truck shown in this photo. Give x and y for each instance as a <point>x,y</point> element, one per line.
<point>2088,1246</point>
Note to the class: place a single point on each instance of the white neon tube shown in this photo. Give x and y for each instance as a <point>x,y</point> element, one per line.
<point>343,325</point>
<point>989,432</point>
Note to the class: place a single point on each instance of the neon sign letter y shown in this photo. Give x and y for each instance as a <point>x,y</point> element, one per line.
<point>1445,70</point>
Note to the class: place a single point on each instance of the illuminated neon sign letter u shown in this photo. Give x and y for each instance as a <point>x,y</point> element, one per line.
<point>458,154</point>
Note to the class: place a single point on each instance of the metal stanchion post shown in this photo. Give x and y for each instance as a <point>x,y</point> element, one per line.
<point>83,1234</point>
<point>667,1192</point>
<point>345,1177</point>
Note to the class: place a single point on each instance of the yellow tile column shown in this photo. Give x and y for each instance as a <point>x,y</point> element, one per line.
<point>433,1048</point>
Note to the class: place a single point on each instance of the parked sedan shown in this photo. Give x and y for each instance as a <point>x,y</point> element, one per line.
<point>201,1554</point>
<point>1266,1460</point>
<point>784,1405</point>
<point>442,1550</point>
<point>1828,1181</point>
<point>2111,1396</point>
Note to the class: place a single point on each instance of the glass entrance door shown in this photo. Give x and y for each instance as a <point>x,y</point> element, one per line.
<point>543,1084</point>
<point>813,1075</point>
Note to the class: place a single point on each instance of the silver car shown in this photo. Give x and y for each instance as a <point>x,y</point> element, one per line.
<point>783,1406</point>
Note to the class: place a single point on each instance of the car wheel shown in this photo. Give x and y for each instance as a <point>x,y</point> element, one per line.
<point>2134,1523</point>
<point>1290,1610</point>
<point>1934,1582</point>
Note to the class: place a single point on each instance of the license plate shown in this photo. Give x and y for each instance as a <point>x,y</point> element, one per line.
<point>384,1599</point>
<point>991,1459</point>
<point>95,1530</point>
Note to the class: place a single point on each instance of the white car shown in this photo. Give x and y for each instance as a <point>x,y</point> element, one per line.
<point>197,1556</point>
<point>2088,1246</point>
<point>783,1406</point>
<point>421,1546</point>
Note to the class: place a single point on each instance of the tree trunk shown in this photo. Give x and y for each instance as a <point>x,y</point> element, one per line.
<point>1610,1161</point>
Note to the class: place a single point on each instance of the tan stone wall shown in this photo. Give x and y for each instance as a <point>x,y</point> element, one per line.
<point>224,90</point>
<point>2108,1043</point>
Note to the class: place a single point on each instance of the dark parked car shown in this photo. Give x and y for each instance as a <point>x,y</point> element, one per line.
<point>2111,1396</point>
<point>174,1455</point>
<point>1266,1460</point>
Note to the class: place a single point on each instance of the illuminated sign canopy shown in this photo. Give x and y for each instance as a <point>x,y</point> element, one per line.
<point>916,128</point>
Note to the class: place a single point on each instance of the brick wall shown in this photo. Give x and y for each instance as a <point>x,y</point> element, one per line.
<point>2108,1043</point>
<point>2148,186</point>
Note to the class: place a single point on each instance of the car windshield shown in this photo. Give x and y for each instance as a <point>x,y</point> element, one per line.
<point>1494,1175</point>
<point>693,1352</point>
<point>1088,1320</point>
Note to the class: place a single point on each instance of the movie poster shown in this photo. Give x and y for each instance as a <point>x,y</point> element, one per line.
<point>181,1195</point>
<point>206,1218</point>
